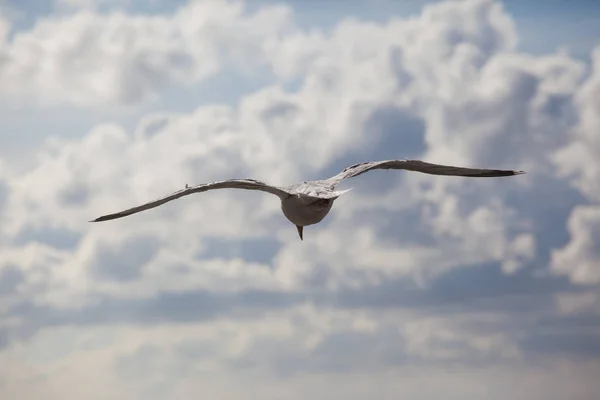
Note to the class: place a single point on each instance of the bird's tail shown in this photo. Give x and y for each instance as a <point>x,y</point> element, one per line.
<point>338,193</point>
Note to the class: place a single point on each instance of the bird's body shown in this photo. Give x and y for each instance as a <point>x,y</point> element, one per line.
<point>307,203</point>
<point>304,211</point>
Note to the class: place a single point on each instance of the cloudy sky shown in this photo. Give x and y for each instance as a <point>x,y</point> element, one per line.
<point>414,286</point>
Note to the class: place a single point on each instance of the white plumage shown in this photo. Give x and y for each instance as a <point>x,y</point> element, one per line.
<point>307,203</point>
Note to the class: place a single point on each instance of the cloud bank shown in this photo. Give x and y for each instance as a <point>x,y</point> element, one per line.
<point>489,288</point>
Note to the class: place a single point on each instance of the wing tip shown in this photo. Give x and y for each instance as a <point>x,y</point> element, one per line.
<point>518,172</point>
<point>100,219</point>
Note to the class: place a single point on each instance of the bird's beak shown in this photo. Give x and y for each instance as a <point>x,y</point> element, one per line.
<point>300,231</point>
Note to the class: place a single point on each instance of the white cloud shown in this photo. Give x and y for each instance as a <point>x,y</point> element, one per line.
<point>580,159</point>
<point>502,102</point>
<point>89,58</point>
<point>521,251</point>
<point>374,287</point>
<point>482,104</point>
<point>453,31</point>
<point>580,258</point>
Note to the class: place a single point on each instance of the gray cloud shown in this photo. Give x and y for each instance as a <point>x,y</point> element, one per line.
<point>585,345</point>
<point>254,250</point>
<point>4,191</point>
<point>164,308</point>
<point>523,303</point>
<point>126,261</point>
<point>471,289</point>
<point>57,238</point>
<point>10,278</point>
<point>74,195</point>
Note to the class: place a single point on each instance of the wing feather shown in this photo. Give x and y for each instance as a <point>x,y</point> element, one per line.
<point>419,166</point>
<point>247,184</point>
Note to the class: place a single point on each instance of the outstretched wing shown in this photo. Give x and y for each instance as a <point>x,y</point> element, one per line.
<point>419,166</point>
<point>248,184</point>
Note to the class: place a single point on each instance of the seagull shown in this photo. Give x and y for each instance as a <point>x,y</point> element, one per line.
<point>307,203</point>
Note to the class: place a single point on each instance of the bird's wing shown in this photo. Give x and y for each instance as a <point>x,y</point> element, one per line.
<point>419,166</point>
<point>248,184</point>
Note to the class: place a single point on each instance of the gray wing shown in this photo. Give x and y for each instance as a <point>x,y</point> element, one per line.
<point>248,184</point>
<point>418,166</point>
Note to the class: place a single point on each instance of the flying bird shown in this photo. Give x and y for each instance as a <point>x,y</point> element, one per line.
<point>307,203</point>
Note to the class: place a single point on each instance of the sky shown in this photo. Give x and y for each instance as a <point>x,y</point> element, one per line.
<point>414,286</point>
